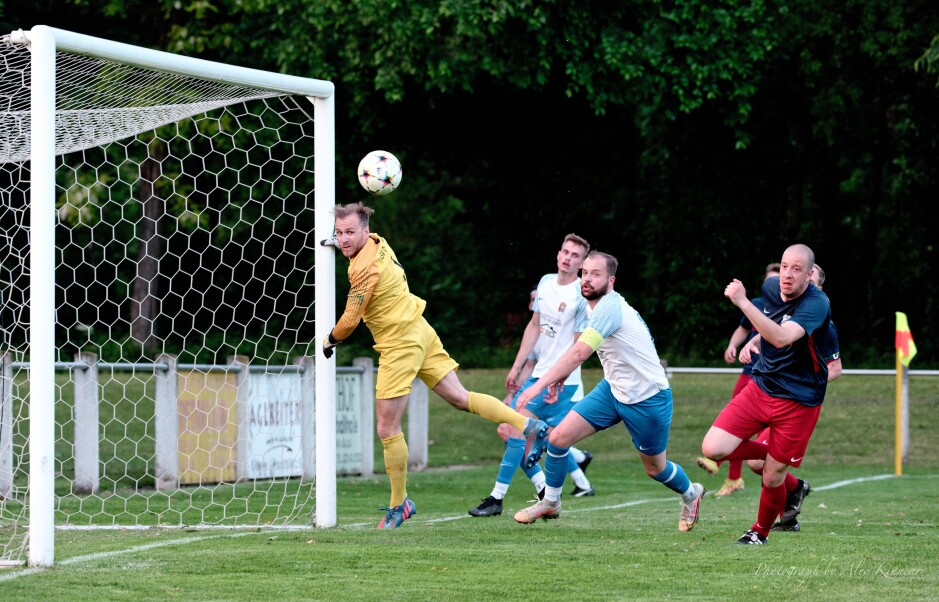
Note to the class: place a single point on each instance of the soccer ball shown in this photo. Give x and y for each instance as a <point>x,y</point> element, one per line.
<point>380,172</point>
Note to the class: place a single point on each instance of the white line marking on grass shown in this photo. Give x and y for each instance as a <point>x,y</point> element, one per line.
<point>623,505</point>
<point>838,484</point>
<point>100,555</point>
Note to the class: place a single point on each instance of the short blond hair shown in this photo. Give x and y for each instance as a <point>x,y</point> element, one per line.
<point>578,240</point>
<point>364,213</point>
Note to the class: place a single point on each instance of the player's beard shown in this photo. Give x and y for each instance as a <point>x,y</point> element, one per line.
<point>592,294</point>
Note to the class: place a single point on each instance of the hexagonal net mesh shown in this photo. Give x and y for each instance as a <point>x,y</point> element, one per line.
<point>184,280</point>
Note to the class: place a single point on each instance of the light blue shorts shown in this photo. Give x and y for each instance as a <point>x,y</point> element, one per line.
<point>648,421</point>
<point>551,413</point>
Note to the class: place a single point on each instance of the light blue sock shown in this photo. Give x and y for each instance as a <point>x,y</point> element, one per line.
<point>511,460</point>
<point>555,465</point>
<point>674,478</point>
<point>571,463</point>
<point>534,470</point>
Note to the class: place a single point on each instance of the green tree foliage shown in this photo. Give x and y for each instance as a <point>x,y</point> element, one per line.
<point>693,139</point>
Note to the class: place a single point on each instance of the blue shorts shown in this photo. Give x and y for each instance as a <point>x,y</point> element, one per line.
<point>648,421</point>
<point>551,413</point>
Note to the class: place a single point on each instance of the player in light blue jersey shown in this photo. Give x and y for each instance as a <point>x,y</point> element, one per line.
<point>559,316</point>
<point>634,390</point>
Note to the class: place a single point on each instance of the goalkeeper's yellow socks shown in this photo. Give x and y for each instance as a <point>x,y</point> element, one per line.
<point>396,465</point>
<point>494,410</point>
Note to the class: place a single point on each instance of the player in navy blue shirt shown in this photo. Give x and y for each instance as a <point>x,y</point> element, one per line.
<point>789,382</point>
<point>796,489</point>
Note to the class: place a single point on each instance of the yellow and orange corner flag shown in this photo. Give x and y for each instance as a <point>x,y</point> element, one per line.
<point>906,348</point>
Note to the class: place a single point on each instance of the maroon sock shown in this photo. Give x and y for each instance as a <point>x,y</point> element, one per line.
<point>772,503</point>
<point>748,450</point>
<point>734,469</point>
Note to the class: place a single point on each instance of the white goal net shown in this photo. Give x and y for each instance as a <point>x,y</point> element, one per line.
<point>158,287</point>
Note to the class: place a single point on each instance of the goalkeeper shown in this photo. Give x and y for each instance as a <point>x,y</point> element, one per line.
<point>408,347</point>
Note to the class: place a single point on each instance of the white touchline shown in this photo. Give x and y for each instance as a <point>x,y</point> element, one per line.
<point>838,484</point>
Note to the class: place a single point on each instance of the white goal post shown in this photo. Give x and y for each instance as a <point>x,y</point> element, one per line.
<point>70,203</point>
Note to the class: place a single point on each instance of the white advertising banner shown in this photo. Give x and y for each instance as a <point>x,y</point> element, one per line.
<point>348,424</point>
<point>274,434</point>
<point>274,443</point>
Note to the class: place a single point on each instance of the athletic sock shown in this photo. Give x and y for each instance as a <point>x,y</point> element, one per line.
<point>772,503</point>
<point>552,494</point>
<point>578,455</point>
<point>396,465</point>
<point>580,479</point>
<point>748,450</point>
<point>499,491</point>
<point>791,482</point>
<point>674,478</point>
<point>533,470</point>
<point>734,469</point>
<point>538,480</point>
<point>511,460</point>
<point>494,410</point>
<point>577,475</point>
<point>555,466</point>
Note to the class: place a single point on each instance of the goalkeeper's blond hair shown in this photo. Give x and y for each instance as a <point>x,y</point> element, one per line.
<point>364,213</point>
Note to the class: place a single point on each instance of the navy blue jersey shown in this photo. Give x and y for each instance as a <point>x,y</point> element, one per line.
<point>798,371</point>
<point>829,345</point>
<point>745,322</point>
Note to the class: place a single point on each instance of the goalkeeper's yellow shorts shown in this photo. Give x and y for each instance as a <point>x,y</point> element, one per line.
<point>417,353</point>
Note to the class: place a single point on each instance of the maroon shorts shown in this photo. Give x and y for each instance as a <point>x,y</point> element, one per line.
<point>791,424</point>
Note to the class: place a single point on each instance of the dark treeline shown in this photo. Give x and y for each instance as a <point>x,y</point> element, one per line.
<point>693,140</point>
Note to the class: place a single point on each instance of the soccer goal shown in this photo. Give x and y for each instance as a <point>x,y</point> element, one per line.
<point>162,293</point>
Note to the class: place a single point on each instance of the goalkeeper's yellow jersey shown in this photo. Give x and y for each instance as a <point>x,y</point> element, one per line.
<point>379,294</point>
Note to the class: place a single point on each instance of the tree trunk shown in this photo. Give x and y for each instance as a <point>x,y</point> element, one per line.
<point>145,292</point>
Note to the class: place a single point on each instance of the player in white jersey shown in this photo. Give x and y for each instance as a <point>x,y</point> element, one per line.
<point>559,315</point>
<point>634,391</point>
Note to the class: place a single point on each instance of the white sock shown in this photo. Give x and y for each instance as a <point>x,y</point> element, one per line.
<point>580,479</point>
<point>538,481</point>
<point>499,490</point>
<point>552,495</point>
<point>579,456</point>
<point>689,496</point>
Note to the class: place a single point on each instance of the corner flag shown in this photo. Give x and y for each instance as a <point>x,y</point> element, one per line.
<point>906,348</point>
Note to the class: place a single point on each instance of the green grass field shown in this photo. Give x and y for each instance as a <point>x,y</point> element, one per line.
<point>866,535</point>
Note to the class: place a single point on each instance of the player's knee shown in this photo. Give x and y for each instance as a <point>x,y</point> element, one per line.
<point>756,466</point>
<point>558,439</point>
<point>712,451</point>
<point>505,431</point>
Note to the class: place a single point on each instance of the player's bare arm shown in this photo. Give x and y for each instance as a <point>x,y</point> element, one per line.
<point>529,338</point>
<point>736,340</point>
<point>750,349</point>
<point>775,334</point>
<point>573,357</point>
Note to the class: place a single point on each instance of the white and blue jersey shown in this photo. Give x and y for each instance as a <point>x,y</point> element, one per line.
<point>798,371</point>
<point>626,350</point>
<point>562,312</point>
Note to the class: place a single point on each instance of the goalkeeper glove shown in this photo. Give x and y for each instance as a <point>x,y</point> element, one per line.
<point>328,343</point>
